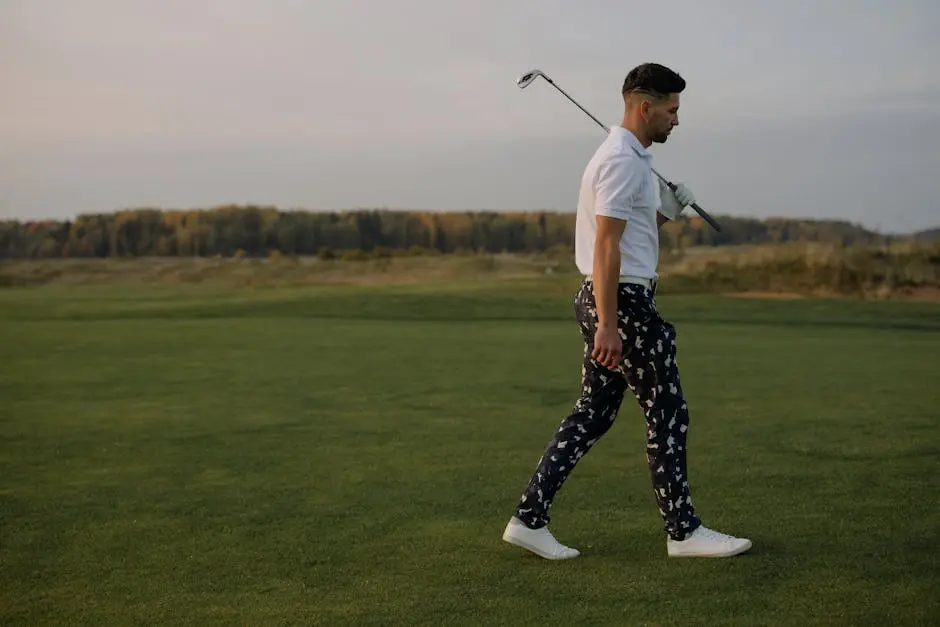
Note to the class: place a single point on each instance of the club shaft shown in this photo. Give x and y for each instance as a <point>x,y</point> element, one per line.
<point>589,114</point>
<point>711,221</point>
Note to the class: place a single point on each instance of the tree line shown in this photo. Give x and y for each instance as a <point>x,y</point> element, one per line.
<point>260,231</point>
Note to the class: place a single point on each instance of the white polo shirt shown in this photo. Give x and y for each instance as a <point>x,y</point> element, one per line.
<point>619,182</point>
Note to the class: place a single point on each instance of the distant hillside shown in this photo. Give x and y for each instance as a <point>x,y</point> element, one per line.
<point>930,235</point>
<point>902,270</point>
<point>260,231</point>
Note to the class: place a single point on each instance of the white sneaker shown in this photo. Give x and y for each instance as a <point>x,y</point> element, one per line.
<point>705,542</point>
<point>539,541</point>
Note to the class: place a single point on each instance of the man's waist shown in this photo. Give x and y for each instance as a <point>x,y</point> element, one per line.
<point>630,278</point>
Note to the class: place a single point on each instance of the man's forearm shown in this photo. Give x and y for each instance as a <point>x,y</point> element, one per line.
<point>661,220</point>
<point>606,278</point>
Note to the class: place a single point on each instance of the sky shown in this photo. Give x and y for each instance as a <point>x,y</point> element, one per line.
<point>809,109</point>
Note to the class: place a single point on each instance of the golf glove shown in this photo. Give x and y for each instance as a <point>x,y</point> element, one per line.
<point>673,202</point>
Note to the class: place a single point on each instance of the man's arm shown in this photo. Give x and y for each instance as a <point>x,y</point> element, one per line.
<point>617,188</point>
<point>607,269</point>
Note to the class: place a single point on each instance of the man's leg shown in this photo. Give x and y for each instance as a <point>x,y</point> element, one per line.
<point>653,377</point>
<point>594,412</point>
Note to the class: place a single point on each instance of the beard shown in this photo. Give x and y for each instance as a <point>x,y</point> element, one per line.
<point>660,138</point>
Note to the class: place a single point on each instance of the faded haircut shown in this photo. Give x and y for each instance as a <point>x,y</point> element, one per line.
<point>654,79</point>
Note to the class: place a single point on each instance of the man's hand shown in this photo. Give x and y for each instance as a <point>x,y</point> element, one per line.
<point>608,347</point>
<point>673,202</point>
<point>684,195</point>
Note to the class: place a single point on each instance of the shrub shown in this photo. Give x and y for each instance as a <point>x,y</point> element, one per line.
<point>354,255</point>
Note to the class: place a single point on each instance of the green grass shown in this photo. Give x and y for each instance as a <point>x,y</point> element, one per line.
<point>350,455</point>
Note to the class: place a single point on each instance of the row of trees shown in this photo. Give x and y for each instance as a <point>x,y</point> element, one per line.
<point>257,231</point>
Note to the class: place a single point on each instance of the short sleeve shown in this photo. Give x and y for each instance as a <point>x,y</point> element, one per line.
<point>618,186</point>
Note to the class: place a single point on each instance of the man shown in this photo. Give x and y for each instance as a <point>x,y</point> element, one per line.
<point>628,345</point>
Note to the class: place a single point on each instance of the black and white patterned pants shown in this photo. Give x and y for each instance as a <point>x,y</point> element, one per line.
<point>649,370</point>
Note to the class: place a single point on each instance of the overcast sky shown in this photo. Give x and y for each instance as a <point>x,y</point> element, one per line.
<point>809,108</point>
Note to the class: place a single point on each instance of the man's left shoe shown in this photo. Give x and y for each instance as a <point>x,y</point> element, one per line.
<point>539,541</point>
<point>705,542</point>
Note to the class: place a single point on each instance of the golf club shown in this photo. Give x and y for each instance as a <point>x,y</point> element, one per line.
<point>529,77</point>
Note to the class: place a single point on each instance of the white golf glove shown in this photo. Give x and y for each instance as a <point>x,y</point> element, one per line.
<point>673,202</point>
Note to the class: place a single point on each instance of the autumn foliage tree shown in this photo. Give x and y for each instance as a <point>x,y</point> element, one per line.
<point>259,231</point>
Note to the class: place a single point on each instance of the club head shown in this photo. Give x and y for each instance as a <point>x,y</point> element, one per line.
<point>526,79</point>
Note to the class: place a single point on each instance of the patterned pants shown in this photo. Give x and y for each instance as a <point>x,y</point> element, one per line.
<point>649,370</point>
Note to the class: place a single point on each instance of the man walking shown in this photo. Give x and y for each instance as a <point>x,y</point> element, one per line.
<point>628,345</point>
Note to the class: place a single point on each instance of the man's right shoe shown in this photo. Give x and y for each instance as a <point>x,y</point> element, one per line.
<point>539,541</point>
<point>705,542</point>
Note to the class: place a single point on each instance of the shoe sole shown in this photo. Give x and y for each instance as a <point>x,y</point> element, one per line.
<point>525,545</point>
<point>731,553</point>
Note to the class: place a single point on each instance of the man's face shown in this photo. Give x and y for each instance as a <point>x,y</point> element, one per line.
<point>662,117</point>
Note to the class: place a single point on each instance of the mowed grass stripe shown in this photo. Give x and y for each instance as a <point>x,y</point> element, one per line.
<point>522,299</point>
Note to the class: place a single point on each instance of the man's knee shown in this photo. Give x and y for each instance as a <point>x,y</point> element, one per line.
<point>602,393</point>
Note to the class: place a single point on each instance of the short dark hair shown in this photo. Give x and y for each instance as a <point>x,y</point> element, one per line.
<point>653,78</point>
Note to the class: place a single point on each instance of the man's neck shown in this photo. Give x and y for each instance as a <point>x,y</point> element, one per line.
<point>643,137</point>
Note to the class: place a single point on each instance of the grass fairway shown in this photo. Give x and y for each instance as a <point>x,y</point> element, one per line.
<point>350,455</point>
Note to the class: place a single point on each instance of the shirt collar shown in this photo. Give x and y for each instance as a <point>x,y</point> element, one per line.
<point>630,138</point>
